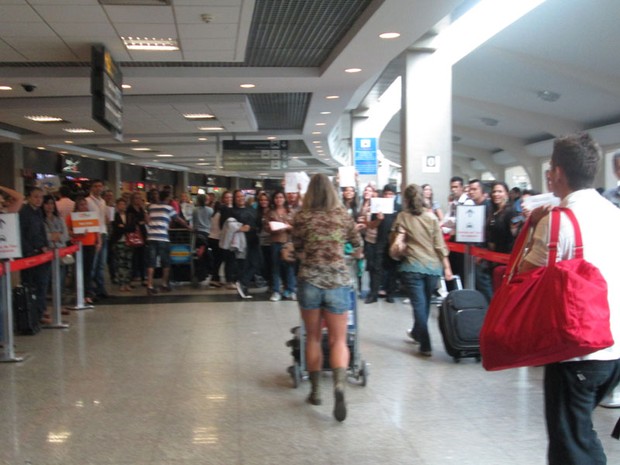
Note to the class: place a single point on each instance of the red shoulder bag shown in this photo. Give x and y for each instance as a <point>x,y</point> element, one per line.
<point>549,314</point>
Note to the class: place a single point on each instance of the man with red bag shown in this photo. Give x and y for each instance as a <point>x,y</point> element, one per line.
<point>573,388</point>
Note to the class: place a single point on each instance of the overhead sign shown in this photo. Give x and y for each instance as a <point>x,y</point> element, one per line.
<point>106,89</point>
<point>10,239</point>
<point>249,155</point>
<point>470,221</point>
<point>366,155</point>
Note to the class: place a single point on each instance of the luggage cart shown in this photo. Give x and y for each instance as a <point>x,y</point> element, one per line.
<point>182,256</point>
<point>357,369</point>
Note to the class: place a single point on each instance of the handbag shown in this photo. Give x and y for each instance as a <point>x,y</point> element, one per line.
<point>134,239</point>
<point>549,314</point>
<point>398,244</point>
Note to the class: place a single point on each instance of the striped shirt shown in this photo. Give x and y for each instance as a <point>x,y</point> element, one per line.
<point>159,222</point>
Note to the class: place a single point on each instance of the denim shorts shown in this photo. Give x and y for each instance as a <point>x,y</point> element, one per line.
<point>336,301</point>
<point>160,248</point>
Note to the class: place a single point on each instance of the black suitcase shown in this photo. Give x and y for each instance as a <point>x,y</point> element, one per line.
<point>25,312</point>
<point>460,320</point>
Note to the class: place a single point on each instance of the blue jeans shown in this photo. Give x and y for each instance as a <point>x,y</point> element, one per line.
<point>277,266</point>
<point>572,391</point>
<point>101,258</point>
<point>419,288</point>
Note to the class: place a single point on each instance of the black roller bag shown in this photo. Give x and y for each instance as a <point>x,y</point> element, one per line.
<point>25,312</point>
<point>460,319</point>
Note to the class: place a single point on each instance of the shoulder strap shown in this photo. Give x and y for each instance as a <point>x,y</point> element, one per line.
<point>555,233</point>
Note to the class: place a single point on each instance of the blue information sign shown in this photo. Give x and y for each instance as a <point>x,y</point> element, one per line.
<point>366,155</point>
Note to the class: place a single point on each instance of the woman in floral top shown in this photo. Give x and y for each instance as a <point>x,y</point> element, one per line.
<point>320,230</point>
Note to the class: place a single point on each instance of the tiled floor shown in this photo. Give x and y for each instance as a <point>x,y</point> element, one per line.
<point>202,379</point>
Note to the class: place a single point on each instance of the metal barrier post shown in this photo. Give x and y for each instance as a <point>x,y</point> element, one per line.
<point>79,282</point>
<point>469,269</point>
<point>57,322</point>
<point>7,353</point>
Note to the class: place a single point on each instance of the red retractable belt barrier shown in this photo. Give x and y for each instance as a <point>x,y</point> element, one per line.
<point>478,252</point>
<point>36,260</point>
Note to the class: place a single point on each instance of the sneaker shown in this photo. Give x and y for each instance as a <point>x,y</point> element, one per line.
<point>292,296</point>
<point>151,291</point>
<point>425,353</point>
<point>407,301</point>
<point>410,334</point>
<point>206,281</point>
<point>275,297</point>
<point>243,292</point>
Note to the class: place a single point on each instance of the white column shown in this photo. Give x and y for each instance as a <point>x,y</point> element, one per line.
<point>426,123</point>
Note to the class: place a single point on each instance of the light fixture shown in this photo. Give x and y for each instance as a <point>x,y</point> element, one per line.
<point>41,148</point>
<point>352,70</point>
<point>150,45</point>
<point>315,133</point>
<point>78,130</point>
<point>248,86</point>
<point>332,97</point>
<point>126,86</point>
<point>142,149</point>
<point>320,124</point>
<point>203,164</point>
<point>6,88</point>
<point>202,138</point>
<point>326,113</point>
<point>164,155</point>
<point>68,142</point>
<point>194,116</point>
<point>489,121</point>
<point>548,95</point>
<point>135,140</point>
<point>271,138</point>
<point>211,128</point>
<point>316,141</point>
<point>45,119</point>
<point>389,35</point>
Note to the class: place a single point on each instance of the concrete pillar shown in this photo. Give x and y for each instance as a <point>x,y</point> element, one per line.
<point>182,182</point>
<point>114,178</point>
<point>426,123</point>
<point>12,162</point>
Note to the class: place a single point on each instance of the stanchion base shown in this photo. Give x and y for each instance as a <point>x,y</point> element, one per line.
<point>83,307</point>
<point>61,325</point>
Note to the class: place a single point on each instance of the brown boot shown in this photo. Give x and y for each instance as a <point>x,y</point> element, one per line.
<point>315,393</point>
<point>340,381</point>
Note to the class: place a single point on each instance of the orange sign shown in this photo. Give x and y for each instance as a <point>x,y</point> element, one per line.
<point>84,222</point>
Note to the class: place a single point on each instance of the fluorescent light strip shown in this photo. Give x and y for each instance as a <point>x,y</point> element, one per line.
<point>150,45</point>
<point>44,119</point>
<point>198,116</point>
<point>78,130</point>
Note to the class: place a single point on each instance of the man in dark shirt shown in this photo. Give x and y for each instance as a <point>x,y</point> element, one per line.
<point>34,242</point>
<point>248,217</point>
<point>484,282</point>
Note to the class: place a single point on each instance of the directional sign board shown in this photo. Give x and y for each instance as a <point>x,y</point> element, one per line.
<point>250,155</point>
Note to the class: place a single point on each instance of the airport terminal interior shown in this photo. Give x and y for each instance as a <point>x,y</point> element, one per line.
<point>199,376</point>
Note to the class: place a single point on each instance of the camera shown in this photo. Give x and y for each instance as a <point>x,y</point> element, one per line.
<point>29,87</point>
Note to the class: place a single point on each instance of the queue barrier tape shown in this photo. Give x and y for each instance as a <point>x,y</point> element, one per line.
<point>36,260</point>
<point>485,254</point>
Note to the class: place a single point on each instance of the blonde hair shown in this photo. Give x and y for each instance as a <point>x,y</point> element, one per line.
<point>321,195</point>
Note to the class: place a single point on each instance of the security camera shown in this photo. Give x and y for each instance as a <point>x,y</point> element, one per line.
<point>29,87</point>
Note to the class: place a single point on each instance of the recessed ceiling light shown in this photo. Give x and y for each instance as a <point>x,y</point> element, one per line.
<point>150,45</point>
<point>211,128</point>
<point>135,140</point>
<point>203,164</point>
<point>352,70</point>
<point>41,148</point>
<point>202,138</point>
<point>389,35</point>
<point>271,138</point>
<point>6,88</point>
<point>63,152</point>
<point>332,97</point>
<point>164,155</point>
<point>320,124</point>
<point>316,141</point>
<point>126,86</point>
<point>68,142</point>
<point>548,95</point>
<point>45,119</point>
<point>489,121</point>
<point>142,149</point>
<point>314,133</point>
<point>78,130</point>
<point>248,86</point>
<point>198,116</point>
<point>326,113</point>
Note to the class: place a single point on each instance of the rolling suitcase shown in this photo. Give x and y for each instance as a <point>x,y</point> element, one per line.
<point>460,320</point>
<point>25,313</point>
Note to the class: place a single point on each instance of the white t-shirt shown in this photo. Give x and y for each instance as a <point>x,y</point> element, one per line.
<point>599,222</point>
